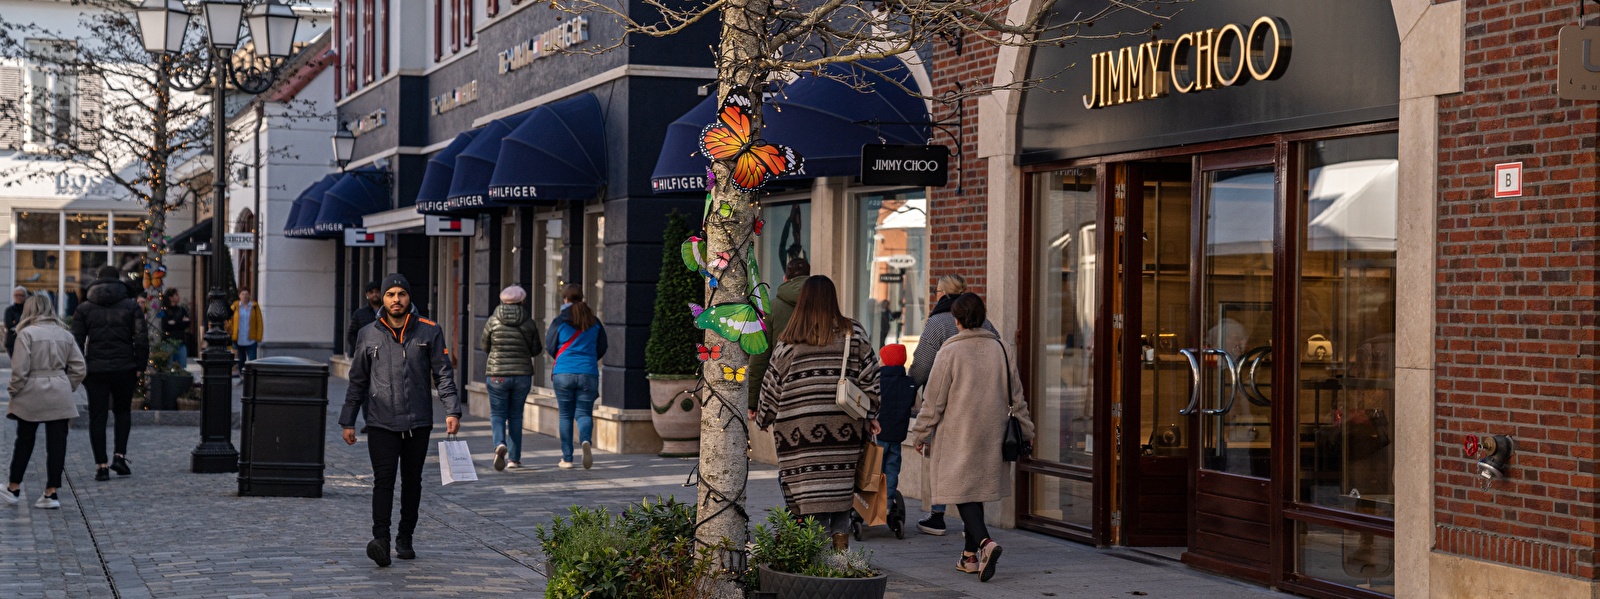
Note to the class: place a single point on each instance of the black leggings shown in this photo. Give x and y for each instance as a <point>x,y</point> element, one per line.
<point>55,445</point>
<point>972,520</point>
<point>388,449</point>
<point>113,392</point>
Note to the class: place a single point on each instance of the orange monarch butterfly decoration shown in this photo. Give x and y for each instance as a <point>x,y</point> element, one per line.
<point>754,161</point>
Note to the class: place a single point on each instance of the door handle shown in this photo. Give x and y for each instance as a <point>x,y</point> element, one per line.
<point>1233,383</point>
<point>1194,371</point>
<point>1252,391</point>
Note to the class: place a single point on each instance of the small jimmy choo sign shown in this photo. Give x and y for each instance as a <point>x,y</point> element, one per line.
<point>893,164</point>
<point>1194,62</point>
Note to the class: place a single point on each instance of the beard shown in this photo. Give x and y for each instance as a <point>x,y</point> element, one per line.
<point>397,309</point>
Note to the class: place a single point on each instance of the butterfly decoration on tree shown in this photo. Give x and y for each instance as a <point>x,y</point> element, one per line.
<point>738,322</point>
<point>760,224</point>
<point>693,251</point>
<point>730,139</point>
<point>709,353</point>
<point>730,373</point>
<point>758,288</point>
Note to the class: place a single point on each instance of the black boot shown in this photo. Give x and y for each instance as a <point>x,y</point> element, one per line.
<point>402,548</point>
<point>102,474</point>
<point>119,465</point>
<point>378,550</point>
<point>932,525</point>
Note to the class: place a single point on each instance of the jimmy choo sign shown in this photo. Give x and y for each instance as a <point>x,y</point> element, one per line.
<point>1193,62</point>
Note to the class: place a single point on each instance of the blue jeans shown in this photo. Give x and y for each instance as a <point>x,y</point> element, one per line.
<point>507,396</point>
<point>181,356</point>
<point>891,465</point>
<point>575,395</point>
<point>245,353</point>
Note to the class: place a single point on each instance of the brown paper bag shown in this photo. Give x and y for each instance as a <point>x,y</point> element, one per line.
<point>873,506</point>
<point>869,470</point>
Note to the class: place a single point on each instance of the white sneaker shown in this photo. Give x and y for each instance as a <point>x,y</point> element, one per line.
<point>588,456</point>
<point>564,465</point>
<point>513,465</point>
<point>500,457</point>
<point>11,497</point>
<point>47,502</point>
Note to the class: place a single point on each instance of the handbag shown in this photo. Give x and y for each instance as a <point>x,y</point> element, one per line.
<point>848,396</point>
<point>455,462</point>
<point>869,468</point>
<point>1013,445</point>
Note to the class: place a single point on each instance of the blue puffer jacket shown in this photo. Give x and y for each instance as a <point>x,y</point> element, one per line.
<point>583,356</point>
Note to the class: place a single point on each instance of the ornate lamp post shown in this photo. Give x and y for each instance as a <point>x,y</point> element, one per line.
<point>163,24</point>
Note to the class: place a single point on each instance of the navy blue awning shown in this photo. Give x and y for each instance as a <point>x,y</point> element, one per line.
<point>357,194</point>
<point>302,222</point>
<point>818,116</point>
<point>469,185</point>
<point>436,179</point>
<point>557,153</point>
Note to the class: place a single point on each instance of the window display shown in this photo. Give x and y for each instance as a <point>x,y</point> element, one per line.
<point>892,285</point>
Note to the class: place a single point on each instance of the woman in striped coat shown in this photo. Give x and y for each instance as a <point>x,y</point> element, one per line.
<point>818,443</point>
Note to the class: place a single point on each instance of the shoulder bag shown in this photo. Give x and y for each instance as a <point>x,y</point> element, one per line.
<point>848,396</point>
<point>1013,446</point>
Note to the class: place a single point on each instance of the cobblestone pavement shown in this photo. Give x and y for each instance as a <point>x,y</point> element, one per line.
<point>165,532</point>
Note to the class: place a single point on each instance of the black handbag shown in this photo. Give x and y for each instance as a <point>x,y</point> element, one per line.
<point>1013,446</point>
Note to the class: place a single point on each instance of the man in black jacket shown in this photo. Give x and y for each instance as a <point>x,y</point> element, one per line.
<point>362,316</point>
<point>111,330</point>
<point>394,369</point>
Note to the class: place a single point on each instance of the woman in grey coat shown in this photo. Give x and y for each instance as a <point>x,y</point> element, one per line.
<point>46,368</point>
<point>511,338</point>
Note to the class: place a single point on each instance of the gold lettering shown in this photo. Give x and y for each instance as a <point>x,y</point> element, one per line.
<point>1114,83</point>
<point>1256,46</point>
<point>1089,101</point>
<point>1132,87</point>
<point>1230,54</point>
<point>1193,62</point>
<point>1183,80</point>
<point>1205,53</point>
<point>1155,57</point>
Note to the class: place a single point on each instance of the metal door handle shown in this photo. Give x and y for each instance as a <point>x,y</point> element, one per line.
<point>1194,370</point>
<point>1233,383</point>
<point>1252,391</point>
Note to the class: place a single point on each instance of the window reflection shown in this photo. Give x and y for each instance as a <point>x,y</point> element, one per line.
<point>1063,408</point>
<point>785,236</point>
<point>892,277</point>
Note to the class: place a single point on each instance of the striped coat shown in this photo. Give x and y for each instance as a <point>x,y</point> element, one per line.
<point>818,444</point>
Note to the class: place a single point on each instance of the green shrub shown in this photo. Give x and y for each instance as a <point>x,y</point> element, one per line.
<point>647,552</point>
<point>803,547</point>
<point>670,350</point>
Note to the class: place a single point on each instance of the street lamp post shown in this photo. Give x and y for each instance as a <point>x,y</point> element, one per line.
<point>163,26</point>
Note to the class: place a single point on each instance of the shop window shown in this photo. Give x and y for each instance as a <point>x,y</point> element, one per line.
<point>1347,323</point>
<point>1352,558</point>
<point>549,277</point>
<point>594,262</point>
<point>59,254</point>
<point>1062,499</point>
<point>1065,301</point>
<point>891,286</point>
<point>39,227</point>
<point>91,228</point>
<point>52,92</point>
<point>785,236</point>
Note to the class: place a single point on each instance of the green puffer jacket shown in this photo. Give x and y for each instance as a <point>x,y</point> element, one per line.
<point>512,340</point>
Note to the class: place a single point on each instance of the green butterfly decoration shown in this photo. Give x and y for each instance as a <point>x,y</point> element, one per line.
<point>739,323</point>
<point>758,288</point>
<point>694,254</point>
<point>725,210</point>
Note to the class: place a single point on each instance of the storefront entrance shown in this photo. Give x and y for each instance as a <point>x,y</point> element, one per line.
<point>1225,273</point>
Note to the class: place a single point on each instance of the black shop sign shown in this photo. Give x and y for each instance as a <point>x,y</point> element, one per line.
<point>921,166</point>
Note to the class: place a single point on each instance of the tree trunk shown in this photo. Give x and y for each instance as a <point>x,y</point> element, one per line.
<point>156,219</point>
<point>724,428</point>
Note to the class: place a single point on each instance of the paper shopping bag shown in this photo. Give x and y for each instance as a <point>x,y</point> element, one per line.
<point>873,506</point>
<point>455,462</point>
<point>870,468</point>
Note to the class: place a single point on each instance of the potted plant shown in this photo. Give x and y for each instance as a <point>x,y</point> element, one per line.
<point>794,558</point>
<point>646,552</point>
<point>669,356</point>
<point>168,383</point>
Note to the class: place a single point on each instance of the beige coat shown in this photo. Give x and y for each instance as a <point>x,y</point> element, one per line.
<point>966,403</point>
<point>46,368</point>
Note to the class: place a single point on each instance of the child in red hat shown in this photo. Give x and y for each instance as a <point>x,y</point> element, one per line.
<point>897,395</point>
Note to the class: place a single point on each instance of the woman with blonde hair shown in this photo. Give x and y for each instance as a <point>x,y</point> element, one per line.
<point>941,326</point>
<point>511,340</point>
<point>46,368</point>
<point>818,443</point>
<point>577,341</point>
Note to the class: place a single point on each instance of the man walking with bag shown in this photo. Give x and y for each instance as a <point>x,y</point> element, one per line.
<point>395,366</point>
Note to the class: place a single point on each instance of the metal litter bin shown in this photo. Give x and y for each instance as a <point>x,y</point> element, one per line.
<point>282,427</point>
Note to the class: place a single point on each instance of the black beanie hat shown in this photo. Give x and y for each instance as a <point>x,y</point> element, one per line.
<point>373,286</point>
<point>396,280</point>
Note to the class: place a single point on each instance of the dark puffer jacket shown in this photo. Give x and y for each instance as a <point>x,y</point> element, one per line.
<point>393,374</point>
<point>110,329</point>
<point>512,340</point>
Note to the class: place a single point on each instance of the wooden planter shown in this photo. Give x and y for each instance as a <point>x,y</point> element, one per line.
<point>795,586</point>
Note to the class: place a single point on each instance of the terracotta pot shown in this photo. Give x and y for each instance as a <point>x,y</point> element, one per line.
<point>785,585</point>
<point>676,413</point>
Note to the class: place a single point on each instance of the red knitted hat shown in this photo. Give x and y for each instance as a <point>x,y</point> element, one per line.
<point>893,354</point>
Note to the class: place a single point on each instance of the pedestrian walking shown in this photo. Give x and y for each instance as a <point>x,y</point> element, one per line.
<point>14,315</point>
<point>175,323</point>
<point>246,338</point>
<point>110,330</point>
<point>45,369</point>
<point>973,389</point>
<point>511,340</point>
<point>576,341</point>
<point>898,396</point>
<point>795,274</point>
<point>363,316</point>
<point>395,390</point>
<point>941,326</point>
<point>819,443</point>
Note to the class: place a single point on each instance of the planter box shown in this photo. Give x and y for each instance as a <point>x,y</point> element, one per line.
<point>795,586</point>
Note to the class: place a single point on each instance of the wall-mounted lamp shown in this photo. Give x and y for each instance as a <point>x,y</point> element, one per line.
<point>1497,451</point>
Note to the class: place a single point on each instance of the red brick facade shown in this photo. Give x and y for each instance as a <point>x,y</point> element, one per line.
<point>1516,312</point>
<point>958,222</point>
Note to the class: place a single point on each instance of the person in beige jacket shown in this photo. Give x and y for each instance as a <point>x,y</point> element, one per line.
<point>46,368</point>
<point>972,390</point>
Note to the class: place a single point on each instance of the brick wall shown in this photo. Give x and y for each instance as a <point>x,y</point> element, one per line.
<point>958,213</point>
<point>1517,344</point>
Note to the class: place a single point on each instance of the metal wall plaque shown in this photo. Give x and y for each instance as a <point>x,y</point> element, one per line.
<point>1578,64</point>
<point>922,166</point>
<point>444,226</point>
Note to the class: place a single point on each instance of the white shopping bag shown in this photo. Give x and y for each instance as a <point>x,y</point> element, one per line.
<point>455,462</point>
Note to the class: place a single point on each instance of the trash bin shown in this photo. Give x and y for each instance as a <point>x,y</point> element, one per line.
<point>282,425</point>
